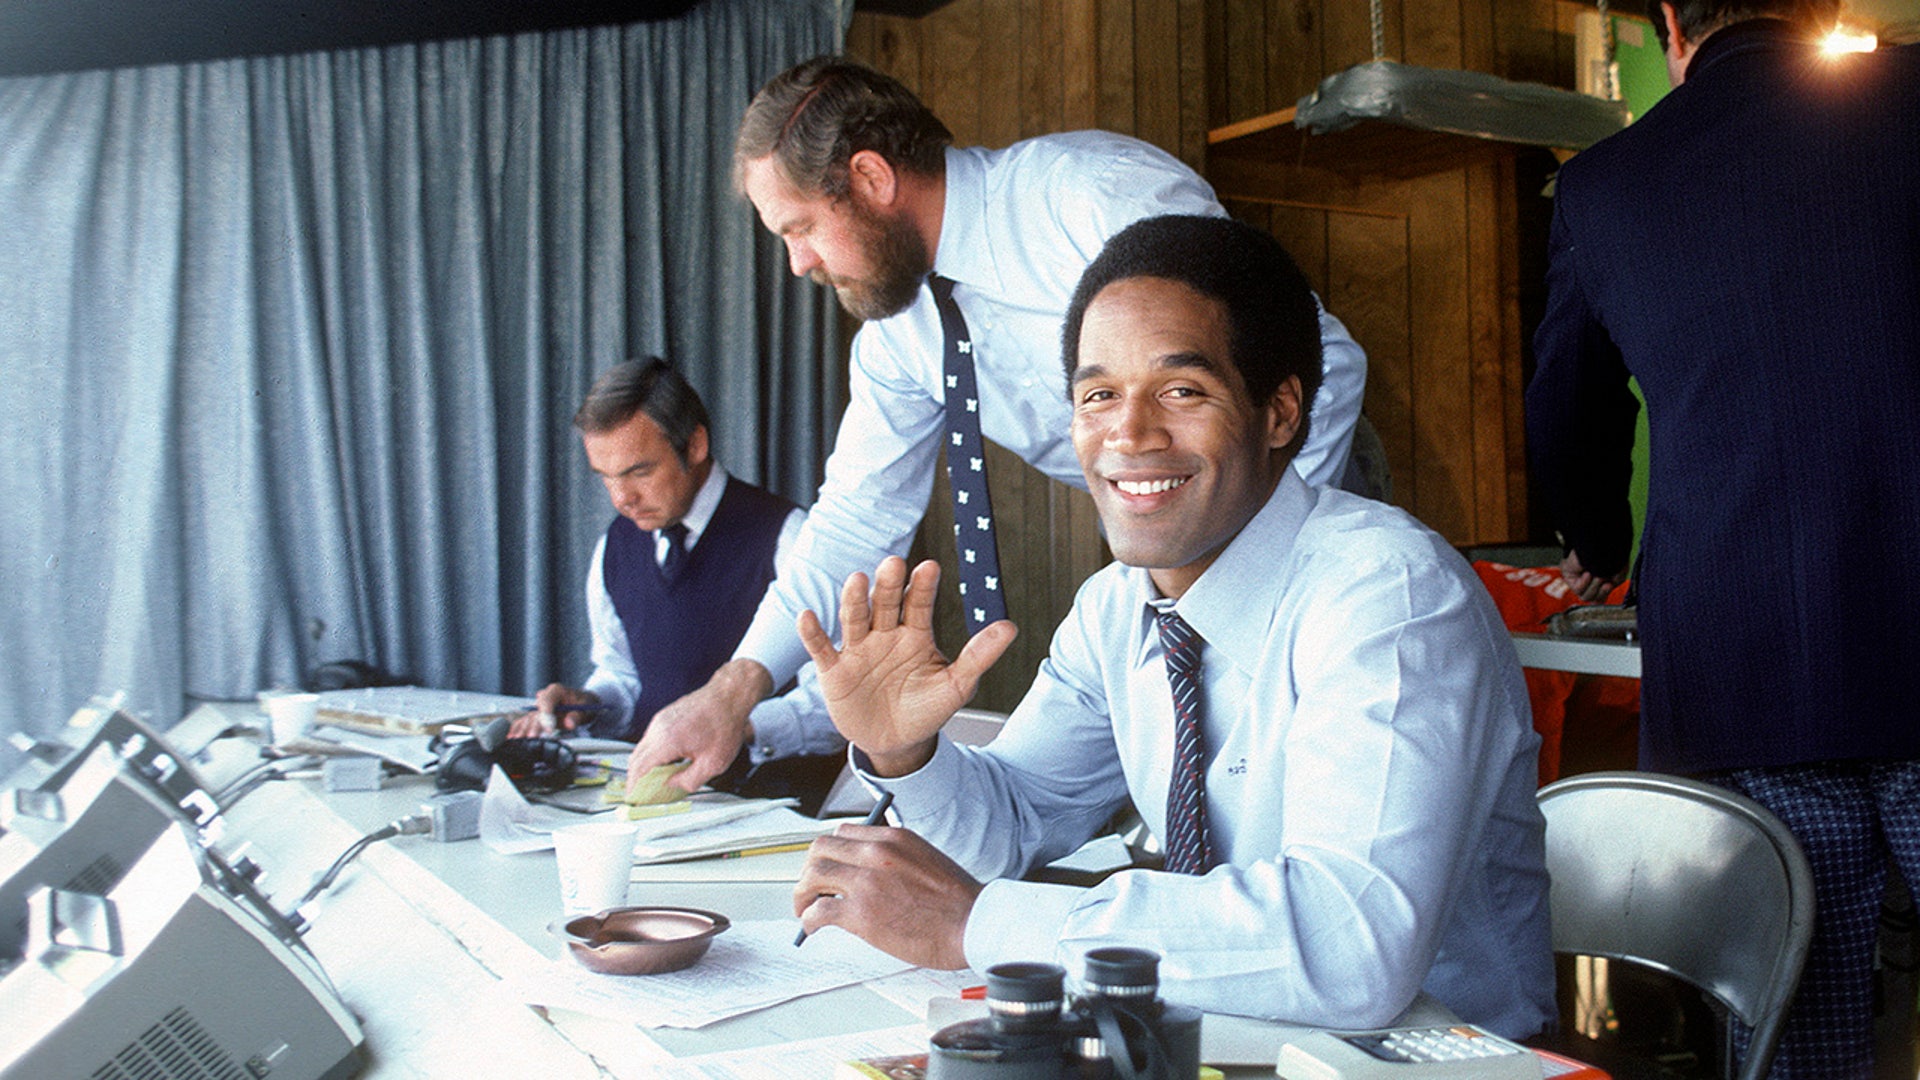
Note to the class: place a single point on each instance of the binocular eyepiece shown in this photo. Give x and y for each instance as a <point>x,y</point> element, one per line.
<point>1117,1028</point>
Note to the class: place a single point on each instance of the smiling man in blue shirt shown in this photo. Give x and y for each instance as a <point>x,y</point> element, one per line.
<point>1356,759</point>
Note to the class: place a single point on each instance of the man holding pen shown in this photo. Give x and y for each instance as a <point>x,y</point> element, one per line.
<point>675,580</point>
<point>1306,694</point>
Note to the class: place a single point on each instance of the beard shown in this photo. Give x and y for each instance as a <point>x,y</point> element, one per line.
<point>900,263</point>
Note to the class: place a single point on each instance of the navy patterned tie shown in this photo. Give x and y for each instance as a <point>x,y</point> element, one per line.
<point>1188,849</point>
<point>980,595</point>
<point>676,558</point>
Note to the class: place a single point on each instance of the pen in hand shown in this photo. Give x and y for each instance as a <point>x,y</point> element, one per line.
<point>550,718</point>
<point>875,816</point>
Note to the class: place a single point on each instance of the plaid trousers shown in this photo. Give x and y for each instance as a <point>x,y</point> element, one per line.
<point>1850,817</point>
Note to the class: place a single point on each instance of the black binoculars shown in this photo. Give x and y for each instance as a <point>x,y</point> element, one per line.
<point>1117,1028</point>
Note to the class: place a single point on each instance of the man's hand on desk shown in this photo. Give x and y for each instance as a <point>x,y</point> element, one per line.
<point>706,728</point>
<point>547,716</point>
<point>1588,586</point>
<point>888,687</point>
<point>892,889</point>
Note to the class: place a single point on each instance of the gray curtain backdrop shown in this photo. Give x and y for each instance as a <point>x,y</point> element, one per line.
<point>289,348</point>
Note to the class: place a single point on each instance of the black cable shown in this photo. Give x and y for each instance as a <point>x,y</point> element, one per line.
<point>411,825</point>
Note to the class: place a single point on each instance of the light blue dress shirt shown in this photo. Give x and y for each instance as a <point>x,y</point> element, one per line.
<point>1370,787</point>
<point>1020,226</point>
<point>792,723</point>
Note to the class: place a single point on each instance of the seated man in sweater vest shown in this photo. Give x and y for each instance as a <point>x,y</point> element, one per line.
<point>675,581</point>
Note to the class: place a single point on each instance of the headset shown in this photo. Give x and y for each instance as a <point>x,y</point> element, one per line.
<point>536,766</point>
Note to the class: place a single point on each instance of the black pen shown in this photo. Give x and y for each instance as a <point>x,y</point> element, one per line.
<point>874,817</point>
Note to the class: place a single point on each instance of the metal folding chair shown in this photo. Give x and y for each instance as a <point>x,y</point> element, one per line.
<point>1689,879</point>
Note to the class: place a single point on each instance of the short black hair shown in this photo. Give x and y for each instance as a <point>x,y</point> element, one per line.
<point>1698,18</point>
<point>1273,318</point>
<point>648,385</point>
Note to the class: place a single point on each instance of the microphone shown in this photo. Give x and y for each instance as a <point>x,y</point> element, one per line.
<point>493,733</point>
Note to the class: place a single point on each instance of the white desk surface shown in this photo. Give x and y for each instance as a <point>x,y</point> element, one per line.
<point>1590,656</point>
<point>417,936</point>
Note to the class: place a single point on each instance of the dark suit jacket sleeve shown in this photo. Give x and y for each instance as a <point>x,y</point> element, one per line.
<point>1580,415</point>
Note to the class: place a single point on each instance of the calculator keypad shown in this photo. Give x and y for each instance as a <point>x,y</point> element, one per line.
<point>1432,1044</point>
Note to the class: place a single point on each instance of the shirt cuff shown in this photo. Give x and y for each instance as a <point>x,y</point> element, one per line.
<point>613,692</point>
<point>920,792</point>
<point>782,727</point>
<point>1020,921</point>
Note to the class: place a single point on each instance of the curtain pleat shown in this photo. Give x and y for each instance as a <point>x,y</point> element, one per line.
<point>290,346</point>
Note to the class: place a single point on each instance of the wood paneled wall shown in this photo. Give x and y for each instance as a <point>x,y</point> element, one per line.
<point>1422,271</point>
<point>1426,272</point>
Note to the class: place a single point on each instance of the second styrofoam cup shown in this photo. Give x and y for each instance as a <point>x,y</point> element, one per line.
<point>292,715</point>
<point>595,860</point>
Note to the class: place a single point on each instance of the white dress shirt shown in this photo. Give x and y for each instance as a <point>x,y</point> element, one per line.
<point>1020,226</point>
<point>793,723</point>
<point>1369,789</point>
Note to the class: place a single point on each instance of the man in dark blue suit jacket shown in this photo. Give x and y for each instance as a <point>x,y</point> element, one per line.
<point>1750,251</point>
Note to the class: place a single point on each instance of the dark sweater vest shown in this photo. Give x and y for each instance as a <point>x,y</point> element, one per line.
<point>680,633</point>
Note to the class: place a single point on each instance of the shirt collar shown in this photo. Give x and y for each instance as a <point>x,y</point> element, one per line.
<point>1740,37</point>
<point>966,247</point>
<point>1232,602</point>
<point>705,502</point>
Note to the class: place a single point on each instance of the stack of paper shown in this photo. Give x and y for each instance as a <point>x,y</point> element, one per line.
<point>413,710</point>
<point>413,753</point>
<point>725,825</point>
<point>705,825</point>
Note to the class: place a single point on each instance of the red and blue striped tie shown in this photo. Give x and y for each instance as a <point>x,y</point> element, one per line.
<point>1188,849</point>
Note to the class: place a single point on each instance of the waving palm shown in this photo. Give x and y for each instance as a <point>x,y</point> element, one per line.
<point>888,687</point>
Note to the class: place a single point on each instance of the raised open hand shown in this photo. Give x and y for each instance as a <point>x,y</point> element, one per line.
<point>888,687</point>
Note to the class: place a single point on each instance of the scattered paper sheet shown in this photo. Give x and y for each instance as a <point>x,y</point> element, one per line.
<point>705,810</point>
<point>509,824</point>
<point>711,823</point>
<point>413,753</point>
<point>775,866</point>
<point>751,966</point>
<point>915,988</point>
<point>784,1061</point>
<point>769,827</point>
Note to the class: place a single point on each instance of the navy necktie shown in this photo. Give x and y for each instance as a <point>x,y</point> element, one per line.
<point>981,598</point>
<point>1189,851</point>
<point>676,558</point>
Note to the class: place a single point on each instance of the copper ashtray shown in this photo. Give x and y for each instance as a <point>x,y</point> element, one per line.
<point>640,940</point>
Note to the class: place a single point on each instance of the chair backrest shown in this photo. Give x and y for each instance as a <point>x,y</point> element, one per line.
<point>1686,878</point>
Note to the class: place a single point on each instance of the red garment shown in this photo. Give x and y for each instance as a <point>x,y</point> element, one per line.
<point>1527,596</point>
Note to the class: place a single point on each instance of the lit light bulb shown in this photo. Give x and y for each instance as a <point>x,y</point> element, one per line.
<point>1842,40</point>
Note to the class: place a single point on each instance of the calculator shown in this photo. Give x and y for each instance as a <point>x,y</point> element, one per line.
<point>1452,1052</point>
